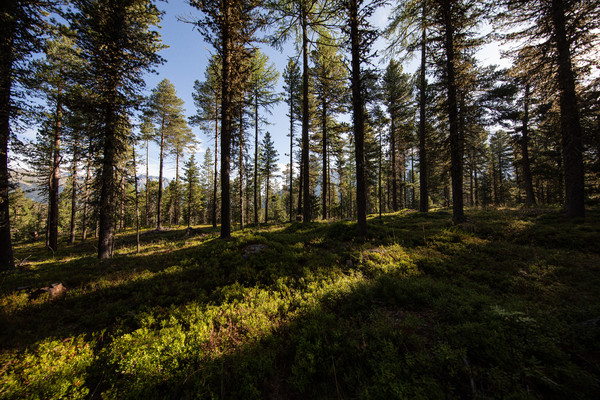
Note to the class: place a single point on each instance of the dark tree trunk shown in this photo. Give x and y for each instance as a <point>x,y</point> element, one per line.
<point>86,200</point>
<point>456,139</point>
<point>423,186</point>
<point>215,190</point>
<point>147,181</point>
<point>177,205</point>
<point>122,213</point>
<point>55,181</point>
<point>7,32</point>
<point>291,158</point>
<point>570,126</point>
<point>107,192</point>
<point>225,127</point>
<point>358,120</point>
<point>306,206</point>
<point>160,176</point>
<point>256,204</point>
<point>324,150</point>
<point>379,182</point>
<point>394,164</point>
<point>241,166</point>
<point>74,191</point>
<point>267,199</point>
<point>137,204</point>
<point>527,179</point>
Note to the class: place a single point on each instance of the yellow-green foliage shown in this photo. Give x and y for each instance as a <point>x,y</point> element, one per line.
<point>493,308</point>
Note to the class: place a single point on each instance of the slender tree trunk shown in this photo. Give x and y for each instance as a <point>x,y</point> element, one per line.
<point>177,196</point>
<point>358,120</point>
<point>300,189</point>
<point>7,33</point>
<point>267,199</point>
<point>306,207</point>
<point>394,163</point>
<point>256,204</point>
<point>160,176</point>
<point>456,139</point>
<point>215,189</point>
<point>380,189</point>
<point>137,203</point>
<point>147,181</point>
<point>107,191</point>
<point>324,149</point>
<point>241,166</point>
<point>570,124</point>
<point>423,186</point>
<point>122,208</point>
<point>527,180</point>
<point>86,200</point>
<point>225,127</point>
<point>55,181</point>
<point>74,190</point>
<point>291,158</point>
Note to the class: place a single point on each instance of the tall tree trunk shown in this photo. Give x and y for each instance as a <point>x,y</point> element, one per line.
<point>225,127</point>
<point>160,176</point>
<point>7,33</point>
<point>358,120</point>
<point>123,193</point>
<point>380,189</point>
<point>241,166</point>
<point>570,125</point>
<point>267,199</point>
<point>177,196</point>
<point>74,190</point>
<point>215,190</point>
<point>306,207</point>
<point>107,192</point>
<point>291,158</point>
<point>324,149</point>
<point>456,139</point>
<point>147,181</point>
<point>423,186</point>
<point>137,203</point>
<point>256,204</point>
<point>86,199</point>
<point>394,163</point>
<point>527,179</point>
<point>55,180</point>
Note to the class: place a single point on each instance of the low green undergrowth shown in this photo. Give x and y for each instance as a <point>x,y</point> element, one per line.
<point>503,306</point>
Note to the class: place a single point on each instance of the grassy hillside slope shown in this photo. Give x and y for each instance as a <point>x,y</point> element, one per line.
<point>504,306</point>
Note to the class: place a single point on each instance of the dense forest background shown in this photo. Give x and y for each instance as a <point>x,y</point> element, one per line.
<point>362,139</point>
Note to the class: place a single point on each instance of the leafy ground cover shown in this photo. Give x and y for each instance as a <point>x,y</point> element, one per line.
<point>503,306</point>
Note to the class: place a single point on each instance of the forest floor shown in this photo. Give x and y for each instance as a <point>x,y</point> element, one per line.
<point>506,305</point>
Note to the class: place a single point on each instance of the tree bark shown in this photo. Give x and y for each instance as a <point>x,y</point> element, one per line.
<point>306,207</point>
<point>423,186</point>
<point>147,181</point>
<point>55,180</point>
<point>137,204</point>
<point>215,189</point>
<point>394,163</point>
<point>256,204</point>
<point>527,179</point>
<point>291,157</point>
<point>358,120</point>
<point>225,126</point>
<point>160,177</point>
<point>324,149</point>
<point>456,139</point>
<point>86,200</point>
<point>7,34</point>
<point>74,191</point>
<point>570,126</point>
<point>107,192</point>
<point>241,166</point>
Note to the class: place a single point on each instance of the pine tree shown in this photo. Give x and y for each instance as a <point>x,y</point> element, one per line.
<point>165,111</point>
<point>268,168</point>
<point>292,87</point>
<point>191,179</point>
<point>228,25</point>
<point>119,45</point>
<point>22,27</point>
<point>263,78</point>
